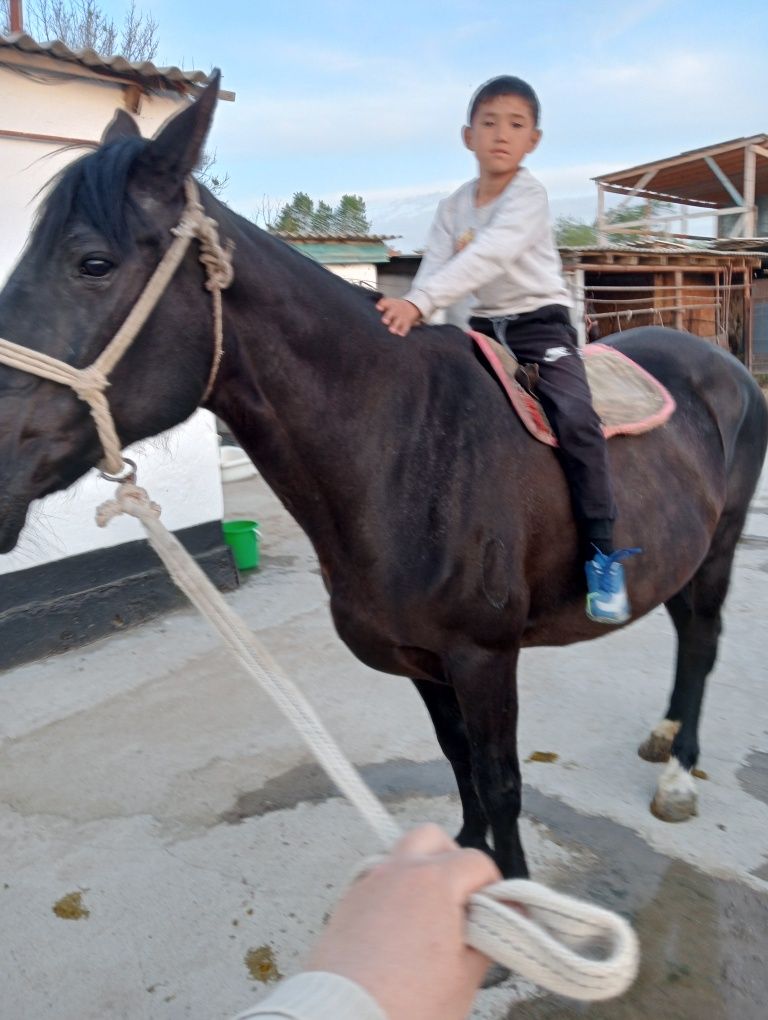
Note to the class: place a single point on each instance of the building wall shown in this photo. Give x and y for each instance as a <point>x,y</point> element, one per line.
<point>357,272</point>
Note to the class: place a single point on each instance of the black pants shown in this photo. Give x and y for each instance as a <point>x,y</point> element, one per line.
<point>547,338</point>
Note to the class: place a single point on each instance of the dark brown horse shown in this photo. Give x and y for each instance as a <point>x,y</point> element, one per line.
<point>444,532</point>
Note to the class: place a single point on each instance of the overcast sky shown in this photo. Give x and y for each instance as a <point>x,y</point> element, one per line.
<point>336,95</point>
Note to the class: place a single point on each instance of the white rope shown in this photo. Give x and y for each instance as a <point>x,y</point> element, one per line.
<point>552,944</point>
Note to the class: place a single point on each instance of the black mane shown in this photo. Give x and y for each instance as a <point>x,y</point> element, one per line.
<point>93,188</point>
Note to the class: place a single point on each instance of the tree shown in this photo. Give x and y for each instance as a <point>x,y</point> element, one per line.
<point>82,24</point>
<point>571,231</point>
<point>351,217</point>
<point>302,216</point>
<point>214,181</point>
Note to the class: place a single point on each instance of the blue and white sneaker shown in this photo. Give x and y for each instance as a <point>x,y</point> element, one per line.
<point>607,600</point>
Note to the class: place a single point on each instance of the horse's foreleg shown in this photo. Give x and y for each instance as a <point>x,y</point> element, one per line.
<point>451,733</point>
<point>486,690</point>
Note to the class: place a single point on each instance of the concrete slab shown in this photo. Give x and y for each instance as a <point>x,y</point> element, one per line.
<point>147,775</point>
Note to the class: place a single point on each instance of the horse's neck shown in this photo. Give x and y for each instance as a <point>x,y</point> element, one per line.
<point>298,381</point>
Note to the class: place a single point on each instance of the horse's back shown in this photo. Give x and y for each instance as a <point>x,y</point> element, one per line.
<point>705,380</point>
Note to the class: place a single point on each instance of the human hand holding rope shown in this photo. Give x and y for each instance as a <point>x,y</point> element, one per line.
<point>400,929</point>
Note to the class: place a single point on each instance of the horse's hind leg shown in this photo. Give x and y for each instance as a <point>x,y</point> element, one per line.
<point>695,612</point>
<point>451,733</point>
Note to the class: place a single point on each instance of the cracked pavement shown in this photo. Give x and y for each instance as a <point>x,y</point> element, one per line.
<point>147,774</point>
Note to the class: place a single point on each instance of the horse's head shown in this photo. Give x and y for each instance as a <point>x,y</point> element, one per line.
<point>99,236</point>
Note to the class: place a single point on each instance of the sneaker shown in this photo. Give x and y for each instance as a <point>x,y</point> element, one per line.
<point>607,600</point>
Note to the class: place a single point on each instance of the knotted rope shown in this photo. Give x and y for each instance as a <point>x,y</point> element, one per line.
<point>553,945</point>
<point>90,383</point>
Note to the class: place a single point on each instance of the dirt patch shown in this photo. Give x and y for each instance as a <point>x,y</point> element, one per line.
<point>71,907</point>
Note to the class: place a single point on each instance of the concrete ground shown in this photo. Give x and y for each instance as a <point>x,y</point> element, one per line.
<point>168,845</point>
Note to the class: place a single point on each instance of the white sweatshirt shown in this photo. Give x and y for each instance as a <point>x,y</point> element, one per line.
<point>502,253</point>
<point>316,995</point>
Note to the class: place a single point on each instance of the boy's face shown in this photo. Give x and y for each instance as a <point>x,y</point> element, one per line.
<point>501,134</point>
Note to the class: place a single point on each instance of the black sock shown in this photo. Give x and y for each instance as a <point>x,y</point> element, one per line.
<point>598,534</point>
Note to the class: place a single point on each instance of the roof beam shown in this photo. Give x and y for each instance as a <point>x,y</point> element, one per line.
<point>640,186</point>
<point>725,181</point>
<point>621,189</point>
<point>685,157</point>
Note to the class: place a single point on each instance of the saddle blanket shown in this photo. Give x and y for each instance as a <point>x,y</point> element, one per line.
<point>628,400</point>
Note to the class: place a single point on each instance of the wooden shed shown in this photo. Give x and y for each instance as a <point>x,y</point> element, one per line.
<point>696,260</point>
<point>705,291</point>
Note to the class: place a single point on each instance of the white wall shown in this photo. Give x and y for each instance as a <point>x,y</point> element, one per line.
<point>181,471</point>
<point>357,272</point>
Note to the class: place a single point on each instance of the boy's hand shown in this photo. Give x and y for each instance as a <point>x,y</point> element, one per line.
<point>398,315</point>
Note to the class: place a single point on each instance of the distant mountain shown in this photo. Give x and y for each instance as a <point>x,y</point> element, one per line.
<point>409,217</point>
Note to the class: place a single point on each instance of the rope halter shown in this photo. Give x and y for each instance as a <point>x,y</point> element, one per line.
<point>90,383</point>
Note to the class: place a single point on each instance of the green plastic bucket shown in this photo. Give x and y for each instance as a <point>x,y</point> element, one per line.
<point>242,537</point>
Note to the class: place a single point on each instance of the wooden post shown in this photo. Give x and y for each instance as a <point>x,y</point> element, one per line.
<point>575,280</point>
<point>747,277</point>
<point>678,301</point>
<point>684,220</point>
<point>16,17</point>
<point>602,241</point>
<point>750,217</point>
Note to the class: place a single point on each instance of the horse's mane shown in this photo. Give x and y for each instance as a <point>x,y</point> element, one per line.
<point>93,188</point>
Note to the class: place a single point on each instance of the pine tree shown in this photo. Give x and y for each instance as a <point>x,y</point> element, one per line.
<point>302,216</point>
<point>351,216</point>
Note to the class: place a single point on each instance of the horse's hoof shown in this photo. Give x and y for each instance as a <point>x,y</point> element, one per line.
<point>495,975</point>
<point>658,746</point>
<point>676,799</point>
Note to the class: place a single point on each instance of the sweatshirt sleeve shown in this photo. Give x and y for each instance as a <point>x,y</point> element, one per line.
<point>316,995</point>
<point>523,215</point>
<point>439,249</point>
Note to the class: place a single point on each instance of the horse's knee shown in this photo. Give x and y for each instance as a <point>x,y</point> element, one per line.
<point>676,799</point>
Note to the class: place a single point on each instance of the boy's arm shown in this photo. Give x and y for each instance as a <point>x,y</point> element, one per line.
<point>523,216</point>
<point>399,315</point>
<point>439,249</point>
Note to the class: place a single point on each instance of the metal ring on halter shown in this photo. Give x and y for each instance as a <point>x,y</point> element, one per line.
<point>129,477</point>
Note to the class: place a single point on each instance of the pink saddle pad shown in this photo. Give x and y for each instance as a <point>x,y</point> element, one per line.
<point>628,400</point>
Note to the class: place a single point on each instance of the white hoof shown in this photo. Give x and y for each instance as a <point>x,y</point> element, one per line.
<point>676,799</point>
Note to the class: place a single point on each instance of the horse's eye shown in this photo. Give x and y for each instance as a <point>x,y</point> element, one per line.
<point>95,267</point>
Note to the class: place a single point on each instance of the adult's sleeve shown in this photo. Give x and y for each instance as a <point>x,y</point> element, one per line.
<point>519,220</point>
<point>316,995</point>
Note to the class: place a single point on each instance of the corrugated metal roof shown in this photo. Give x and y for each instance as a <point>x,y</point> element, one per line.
<point>142,72</point>
<point>333,251</point>
<point>666,249</point>
<point>286,235</point>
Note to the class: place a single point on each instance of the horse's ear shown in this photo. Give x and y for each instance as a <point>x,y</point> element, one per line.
<point>122,125</point>
<point>175,150</point>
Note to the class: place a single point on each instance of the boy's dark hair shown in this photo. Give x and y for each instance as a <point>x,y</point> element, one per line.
<point>505,85</point>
